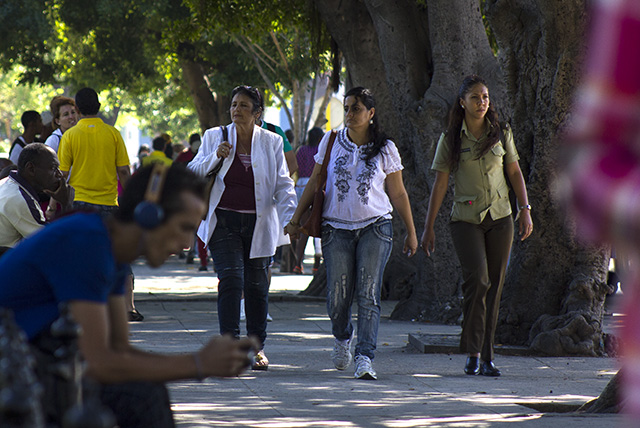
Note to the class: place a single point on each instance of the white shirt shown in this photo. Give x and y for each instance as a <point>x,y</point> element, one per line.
<point>20,212</point>
<point>355,192</point>
<point>53,140</point>
<point>274,189</point>
<point>15,153</point>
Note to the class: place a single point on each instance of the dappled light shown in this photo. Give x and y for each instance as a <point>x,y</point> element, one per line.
<point>470,421</point>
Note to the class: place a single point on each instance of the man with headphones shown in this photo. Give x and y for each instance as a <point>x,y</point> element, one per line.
<point>159,212</point>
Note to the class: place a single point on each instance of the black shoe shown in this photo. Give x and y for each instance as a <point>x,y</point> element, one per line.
<point>134,315</point>
<point>489,369</point>
<point>202,269</point>
<point>472,367</point>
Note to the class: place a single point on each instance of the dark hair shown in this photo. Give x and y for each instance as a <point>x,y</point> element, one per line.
<point>456,116</point>
<point>251,92</point>
<point>193,138</point>
<point>28,117</point>
<point>56,104</point>
<point>32,152</point>
<point>378,137</point>
<point>87,102</point>
<point>142,148</point>
<point>314,136</point>
<point>178,180</point>
<point>159,143</point>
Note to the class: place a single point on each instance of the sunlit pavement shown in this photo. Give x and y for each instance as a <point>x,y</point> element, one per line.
<point>302,389</point>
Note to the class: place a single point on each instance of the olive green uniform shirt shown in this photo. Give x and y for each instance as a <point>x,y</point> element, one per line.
<point>480,186</point>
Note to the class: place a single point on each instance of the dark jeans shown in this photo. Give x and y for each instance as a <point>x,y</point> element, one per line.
<point>483,250</point>
<point>230,245</point>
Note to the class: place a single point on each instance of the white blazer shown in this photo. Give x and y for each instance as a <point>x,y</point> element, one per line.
<point>274,189</point>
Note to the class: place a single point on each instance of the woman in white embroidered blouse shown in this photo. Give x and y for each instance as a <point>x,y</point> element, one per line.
<point>357,234</point>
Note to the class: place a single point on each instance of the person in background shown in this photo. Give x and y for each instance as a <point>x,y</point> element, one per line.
<point>86,270</point>
<point>65,115</point>
<point>357,235</point>
<point>189,153</point>
<point>47,126</point>
<point>251,197</point>
<point>20,212</point>
<point>184,158</point>
<point>168,148</point>
<point>289,154</point>
<point>143,152</point>
<point>482,156</point>
<point>32,124</point>
<point>305,158</point>
<point>158,154</point>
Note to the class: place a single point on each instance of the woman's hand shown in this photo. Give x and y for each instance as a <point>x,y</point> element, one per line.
<point>410,244</point>
<point>223,150</point>
<point>428,241</point>
<point>293,230</point>
<point>525,224</point>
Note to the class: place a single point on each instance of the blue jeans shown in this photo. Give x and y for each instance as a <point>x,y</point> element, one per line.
<point>230,245</point>
<point>355,262</point>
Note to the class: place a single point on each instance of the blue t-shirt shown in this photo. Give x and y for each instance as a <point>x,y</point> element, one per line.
<point>70,259</point>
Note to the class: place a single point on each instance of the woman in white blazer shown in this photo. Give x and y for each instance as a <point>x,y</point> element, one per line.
<point>251,201</point>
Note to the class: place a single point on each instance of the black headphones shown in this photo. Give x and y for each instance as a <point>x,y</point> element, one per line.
<point>148,213</point>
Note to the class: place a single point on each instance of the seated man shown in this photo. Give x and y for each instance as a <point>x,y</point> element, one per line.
<point>87,270</point>
<point>20,212</point>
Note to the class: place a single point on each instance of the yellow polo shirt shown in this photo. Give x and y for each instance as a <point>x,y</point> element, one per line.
<point>480,186</point>
<point>92,150</point>
<point>156,156</point>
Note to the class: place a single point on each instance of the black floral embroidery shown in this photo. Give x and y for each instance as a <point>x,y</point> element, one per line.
<point>342,177</point>
<point>364,178</point>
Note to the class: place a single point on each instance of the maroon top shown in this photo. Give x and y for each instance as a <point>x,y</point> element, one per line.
<point>239,193</point>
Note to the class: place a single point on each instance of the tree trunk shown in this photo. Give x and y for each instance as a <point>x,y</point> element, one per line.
<point>211,112</point>
<point>555,288</point>
<point>609,400</point>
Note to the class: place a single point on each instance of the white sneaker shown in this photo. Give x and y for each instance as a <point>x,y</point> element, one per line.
<point>341,355</point>
<point>269,318</point>
<point>243,316</point>
<point>364,369</point>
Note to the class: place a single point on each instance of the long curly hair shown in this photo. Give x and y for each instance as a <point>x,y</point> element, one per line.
<point>377,136</point>
<point>456,116</point>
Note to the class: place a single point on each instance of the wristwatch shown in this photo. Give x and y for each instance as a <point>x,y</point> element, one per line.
<point>524,207</point>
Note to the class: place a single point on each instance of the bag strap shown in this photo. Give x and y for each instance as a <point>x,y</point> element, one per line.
<point>225,137</point>
<point>325,162</point>
<point>271,127</point>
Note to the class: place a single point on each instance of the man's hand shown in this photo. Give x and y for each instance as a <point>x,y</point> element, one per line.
<point>64,194</point>
<point>225,356</point>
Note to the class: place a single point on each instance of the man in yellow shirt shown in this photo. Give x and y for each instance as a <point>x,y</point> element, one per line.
<point>157,155</point>
<point>93,154</point>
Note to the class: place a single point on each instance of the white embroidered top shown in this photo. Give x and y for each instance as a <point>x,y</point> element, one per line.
<point>355,191</point>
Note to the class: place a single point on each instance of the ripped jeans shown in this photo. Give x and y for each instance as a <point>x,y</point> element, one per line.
<point>355,262</point>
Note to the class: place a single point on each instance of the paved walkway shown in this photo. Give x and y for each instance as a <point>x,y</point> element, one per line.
<point>302,389</point>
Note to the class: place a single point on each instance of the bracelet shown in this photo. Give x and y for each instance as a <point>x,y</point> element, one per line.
<point>294,223</point>
<point>199,375</point>
<point>525,207</point>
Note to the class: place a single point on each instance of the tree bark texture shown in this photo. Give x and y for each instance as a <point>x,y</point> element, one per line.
<point>555,288</point>
<point>210,112</point>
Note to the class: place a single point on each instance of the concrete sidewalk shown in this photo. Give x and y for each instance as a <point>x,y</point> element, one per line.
<point>302,389</point>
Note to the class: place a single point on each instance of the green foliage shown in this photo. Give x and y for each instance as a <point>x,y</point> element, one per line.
<point>130,49</point>
<point>16,98</point>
